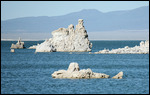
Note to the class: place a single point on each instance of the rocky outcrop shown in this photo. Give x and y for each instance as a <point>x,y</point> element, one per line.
<point>118,76</point>
<point>143,48</point>
<point>12,50</point>
<point>46,46</point>
<point>67,40</point>
<point>18,45</point>
<point>74,72</point>
<point>33,47</point>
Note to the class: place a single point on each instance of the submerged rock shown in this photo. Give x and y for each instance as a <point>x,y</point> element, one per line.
<point>18,45</point>
<point>74,72</point>
<point>67,40</point>
<point>142,49</point>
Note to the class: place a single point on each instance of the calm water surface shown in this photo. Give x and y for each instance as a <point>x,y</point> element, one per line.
<point>27,72</point>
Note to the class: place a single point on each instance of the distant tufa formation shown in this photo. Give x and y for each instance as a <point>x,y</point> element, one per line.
<point>142,49</point>
<point>67,40</point>
<point>18,45</point>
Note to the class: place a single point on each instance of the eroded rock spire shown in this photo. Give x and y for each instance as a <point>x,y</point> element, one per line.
<point>67,40</point>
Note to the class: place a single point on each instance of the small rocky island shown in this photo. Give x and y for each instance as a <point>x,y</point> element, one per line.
<point>143,48</point>
<point>67,40</point>
<point>18,45</point>
<point>74,72</point>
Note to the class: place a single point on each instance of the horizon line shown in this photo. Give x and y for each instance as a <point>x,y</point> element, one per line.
<point>89,39</point>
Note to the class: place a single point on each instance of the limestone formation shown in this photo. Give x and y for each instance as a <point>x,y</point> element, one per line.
<point>67,40</point>
<point>118,76</point>
<point>18,45</point>
<point>74,72</point>
<point>142,49</point>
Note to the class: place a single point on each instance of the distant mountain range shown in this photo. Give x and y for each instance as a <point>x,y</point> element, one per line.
<point>94,20</point>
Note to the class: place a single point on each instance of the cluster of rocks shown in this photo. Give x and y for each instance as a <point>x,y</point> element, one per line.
<point>74,72</point>
<point>67,40</point>
<point>18,45</point>
<point>142,49</point>
<point>76,40</point>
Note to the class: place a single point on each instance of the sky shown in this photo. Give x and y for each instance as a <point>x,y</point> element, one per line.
<point>17,9</point>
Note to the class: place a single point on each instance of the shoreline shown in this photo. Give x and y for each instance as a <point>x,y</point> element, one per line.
<point>90,40</point>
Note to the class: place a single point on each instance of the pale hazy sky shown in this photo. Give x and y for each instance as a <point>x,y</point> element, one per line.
<point>16,9</point>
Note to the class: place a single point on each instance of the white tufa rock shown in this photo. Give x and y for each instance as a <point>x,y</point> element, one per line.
<point>18,45</point>
<point>33,47</point>
<point>74,72</point>
<point>67,40</point>
<point>46,46</point>
<point>118,76</point>
<point>73,67</point>
<point>142,49</point>
<point>12,50</point>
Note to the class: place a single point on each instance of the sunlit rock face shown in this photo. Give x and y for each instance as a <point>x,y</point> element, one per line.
<point>67,40</point>
<point>143,48</point>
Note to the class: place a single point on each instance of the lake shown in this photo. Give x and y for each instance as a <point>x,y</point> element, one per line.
<point>27,72</point>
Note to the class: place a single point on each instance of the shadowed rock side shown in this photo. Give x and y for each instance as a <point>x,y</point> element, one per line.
<point>18,45</point>
<point>67,40</point>
<point>74,72</point>
<point>142,49</point>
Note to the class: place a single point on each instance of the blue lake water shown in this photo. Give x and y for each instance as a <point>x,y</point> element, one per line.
<point>27,72</point>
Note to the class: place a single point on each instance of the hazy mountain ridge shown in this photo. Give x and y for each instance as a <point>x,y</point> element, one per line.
<point>135,19</point>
